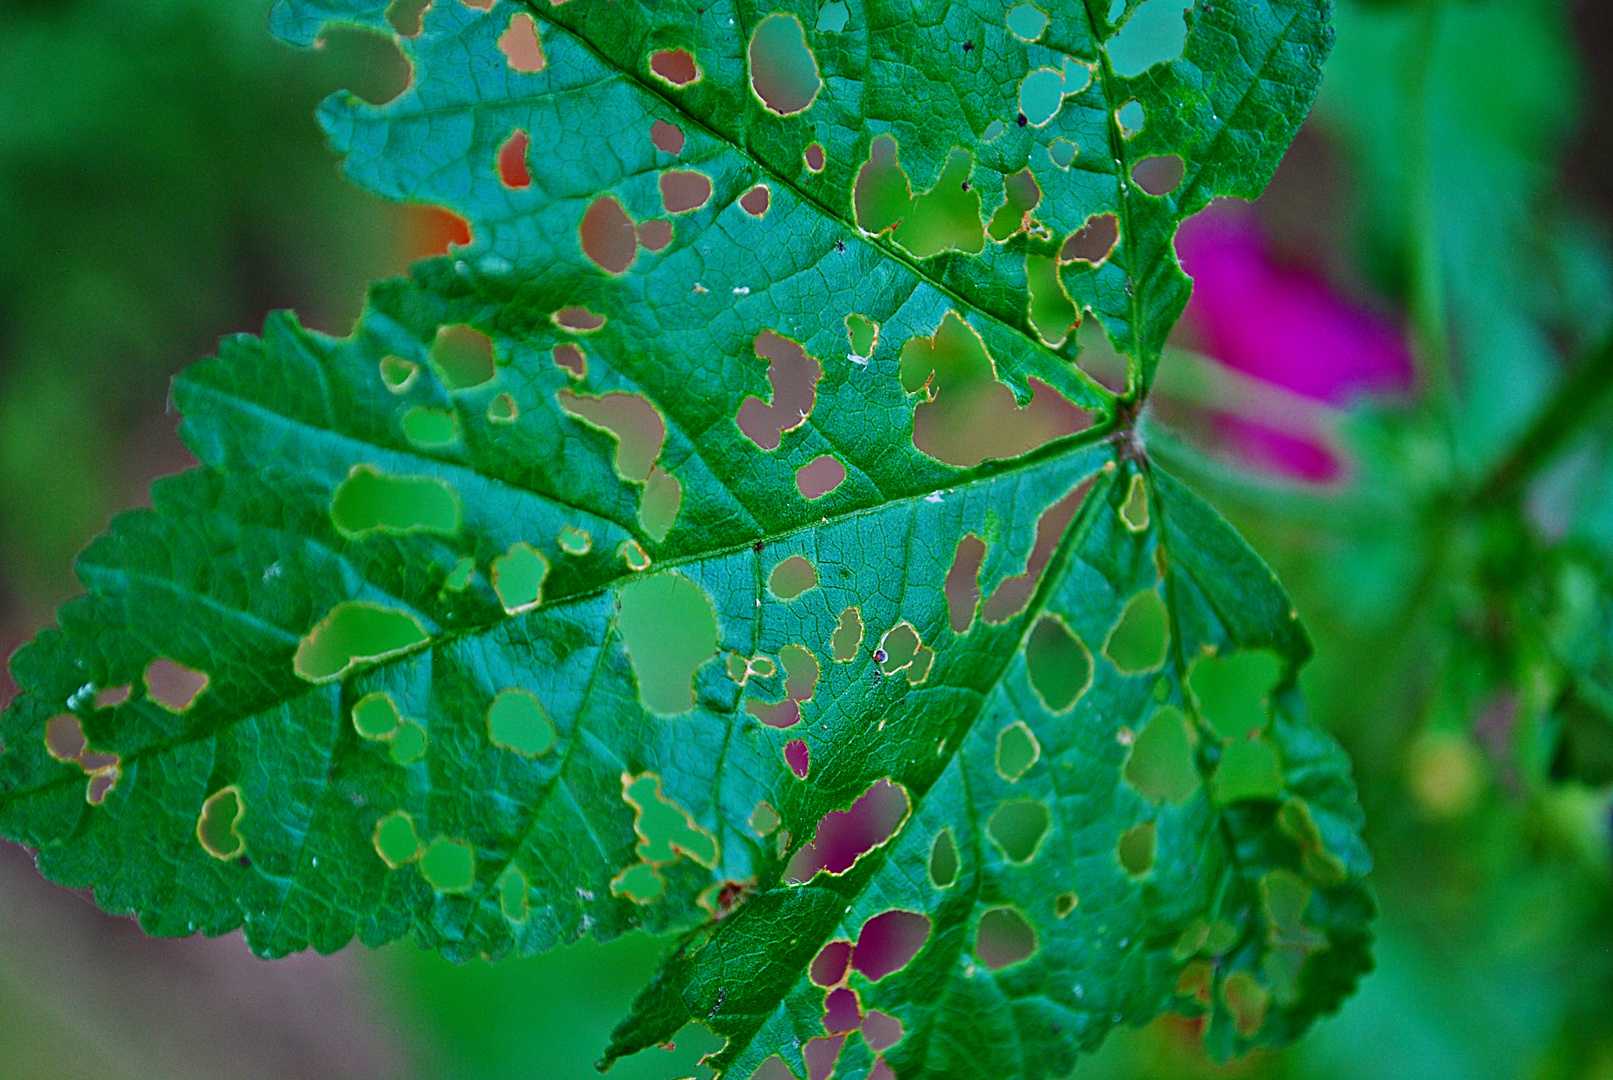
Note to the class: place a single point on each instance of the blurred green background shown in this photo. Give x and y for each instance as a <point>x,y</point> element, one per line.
<point>162,182</point>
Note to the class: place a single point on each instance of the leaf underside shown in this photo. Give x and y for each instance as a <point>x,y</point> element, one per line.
<point>467,629</point>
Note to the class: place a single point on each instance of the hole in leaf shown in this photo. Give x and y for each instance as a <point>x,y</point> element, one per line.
<point>1050,310</point>
<point>841,1011</point>
<point>573,359</point>
<point>674,66</point>
<point>633,555</point>
<point>517,721</point>
<point>1017,751</point>
<point>1142,635</point>
<point>408,743</point>
<point>1136,849</point>
<point>1058,664</point>
<point>665,829</point>
<point>426,426</point>
<point>109,697</point>
<point>683,190</point>
<point>1162,765</point>
<point>376,716</point>
<point>503,410</point>
<point>1040,96</point>
<point>405,16</point>
<point>1093,241</point>
<point>459,575</point>
<point>1130,117</point>
<point>1249,769</point>
<point>1155,33</point>
<point>658,510</point>
<point>794,377</point>
<point>512,167</point>
<point>968,415</point>
<point>898,648</point>
<point>829,967</point>
<point>863,335</point>
<point>518,577</point>
<point>813,158</point>
<point>174,686</point>
<point>1135,511</point>
<point>512,890</point>
<point>377,70</point>
<point>669,629</point>
<point>102,781</point>
<point>1247,1001</point>
<point>800,681</point>
<point>574,541</point>
<point>888,942</point>
<point>464,356</point>
<point>395,839</point>
<point>764,819</point>
<point>1027,21</point>
<point>819,476</point>
<point>881,1031</point>
<point>629,418</point>
<point>798,758</point>
<point>882,196</point>
<point>783,71</point>
<point>844,836</point>
<point>946,217</point>
<point>667,137</point>
<point>607,235</point>
<point>1021,195</point>
<point>1065,903</point>
<point>1004,938</point>
<point>1233,692</point>
<point>1159,175</point>
<point>578,320</point>
<point>448,865</point>
<point>848,636</point>
<point>755,201</point>
<point>216,825</point>
<point>355,632</point>
<point>1062,152</point>
<point>369,500</point>
<point>1098,357</point>
<point>833,16</point>
<point>944,859</point>
<point>640,883</point>
<point>1012,594</point>
<point>963,582</point>
<point>792,577</point>
<point>655,235</point>
<point>1018,826</point>
<point>993,131</point>
<point>820,1055</point>
<point>398,374</point>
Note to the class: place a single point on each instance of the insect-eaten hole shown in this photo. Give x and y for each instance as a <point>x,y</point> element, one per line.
<point>1136,849</point>
<point>812,157</point>
<point>1041,95</point>
<point>944,863</point>
<point>901,649</point>
<point>376,67</point>
<point>1027,21</point>
<point>963,582</point>
<point>431,428</point>
<point>463,355</point>
<point>832,964</point>
<point>1233,693</point>
<point>1018,826</point>
<point>633,555</point>
<point>798,757</point>
<point>1159,175</point>
<point>512,167</point>
<point>371,501</point>
<point>684,190</point>
<point>844,836</point>
<point>607,235</point>
<point>833,16</point>
<point>1130,117</point>
<point>1004,938</point>
<point>395,839</point>
<point>1141,636</point>
<point>1249,769</point>
<point>794,377</point>
<point>862,334</point>
<point>405,16</point>
<point>579,320</point>
<point>1012,594</point>
<point>1064,903</point>
<point>512,895</point>
<point>947,216</point>
<point>783,71</point>
<point>1057,663</point>
<point>397,373</point>
<point>110,697</point>
<point>449,866</point>
<point>1017,751</point>
<point>218,825</point>
<point>667,137</point>
<point>65,741</point>
<point>792,577</point>
<point>376,716</point>
<point>820,476</point>
<point>675,67</point>
<point>993,131</point>
<point>764,819</point>
<point>1247,1001</point>
<point>655,235</point>
<point>518,722</point>
<point>1162,764</point>
<point>1021,195</point>
<point>520,45</point>
<point>1134,511</point>
<point>965,414</point>
<point>669,629</point>
<point>665,830</point>
<point>503,410</point>
<point>408,743</point>
<point>1048,307</point>
<point>820,1055</point>
<point>888,942</point>
<point>881,1031</point>
<point>756,201</point>
<point>882,195</point>
<point>459,575</point>
<point>352,633</point>
<point>518,577</point>
<point>572,359</point>
<point>1154,34</point>
<point>848,636</point>
<point>800,682</point>
<point>842,1012</point>
<point>631,420</point>
<point>174,686</point>
<point>1092,242</point>
<point>574,541</point>
<point>1062,152</point>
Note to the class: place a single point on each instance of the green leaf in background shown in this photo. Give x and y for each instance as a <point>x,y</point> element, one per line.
<point>735,475</point>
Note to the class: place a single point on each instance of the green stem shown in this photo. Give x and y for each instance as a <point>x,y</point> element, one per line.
<point>1580,395</point>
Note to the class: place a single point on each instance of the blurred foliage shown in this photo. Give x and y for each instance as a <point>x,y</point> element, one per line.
<point>162,181</point>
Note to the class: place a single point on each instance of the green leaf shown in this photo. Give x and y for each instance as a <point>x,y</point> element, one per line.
<point>608,558</point>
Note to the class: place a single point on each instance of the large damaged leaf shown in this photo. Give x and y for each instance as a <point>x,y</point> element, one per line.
<point>736,482</point>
